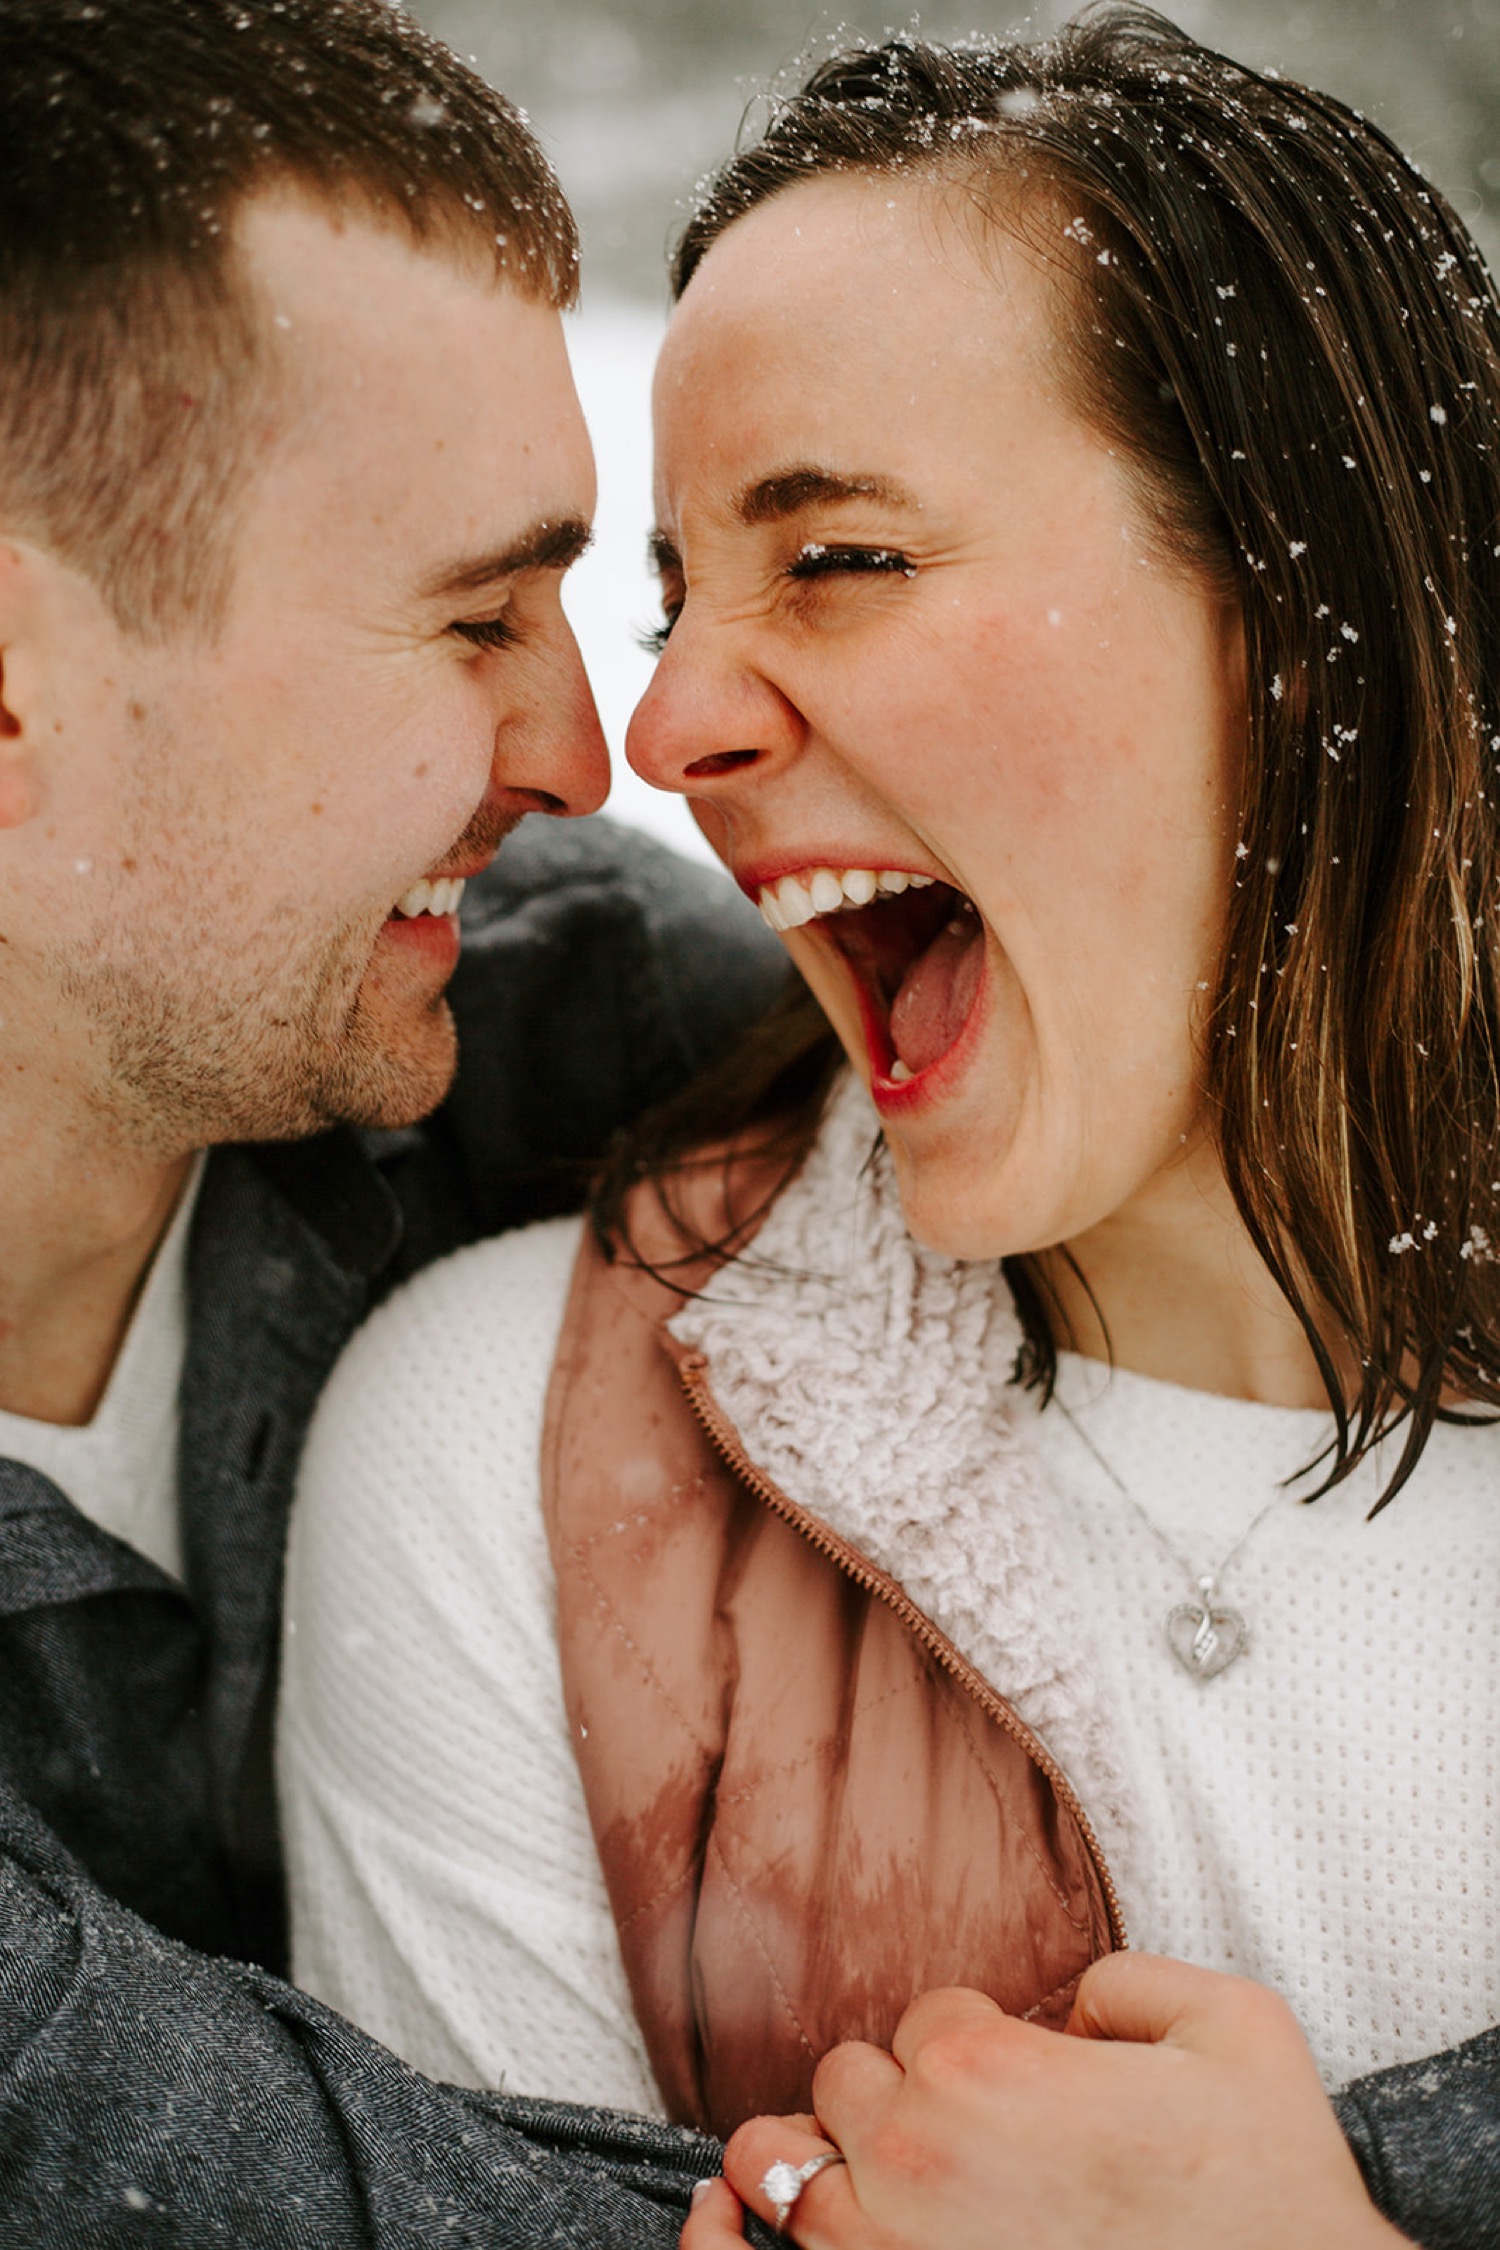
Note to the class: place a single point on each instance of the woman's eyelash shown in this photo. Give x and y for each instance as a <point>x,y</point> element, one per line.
<point>817,561</point>
<point>654,638</point>
<point>812,561</point>
<point>486,632</point>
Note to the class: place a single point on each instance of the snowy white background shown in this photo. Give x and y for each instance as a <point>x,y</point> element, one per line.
<point>611,594</point>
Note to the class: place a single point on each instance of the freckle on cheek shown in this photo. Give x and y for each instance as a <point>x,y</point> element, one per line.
<point>420,770</point>
<point>315,808</point>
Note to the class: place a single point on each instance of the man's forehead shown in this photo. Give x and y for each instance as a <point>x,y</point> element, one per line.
<point>428,428</point>
<point>353,301</point>
<point>323,260</point>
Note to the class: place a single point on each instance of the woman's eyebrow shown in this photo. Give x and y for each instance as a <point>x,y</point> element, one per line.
<point>771,499</point>
<point>787,493</point>
<point>546,545</point>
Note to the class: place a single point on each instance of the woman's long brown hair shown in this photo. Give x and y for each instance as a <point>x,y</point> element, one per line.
<point>1297,344</point>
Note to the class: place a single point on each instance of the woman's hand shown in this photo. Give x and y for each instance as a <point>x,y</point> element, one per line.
<point>1181,2107</point>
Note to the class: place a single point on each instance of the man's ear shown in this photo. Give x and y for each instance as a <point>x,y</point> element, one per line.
<point>19,718</point>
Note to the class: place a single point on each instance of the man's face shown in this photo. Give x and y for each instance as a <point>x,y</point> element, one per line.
<point>223,828</point>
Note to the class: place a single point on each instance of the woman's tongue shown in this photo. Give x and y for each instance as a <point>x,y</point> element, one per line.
<point>938,992</point>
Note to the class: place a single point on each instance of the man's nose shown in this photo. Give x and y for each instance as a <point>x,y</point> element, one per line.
<point>561,761</point>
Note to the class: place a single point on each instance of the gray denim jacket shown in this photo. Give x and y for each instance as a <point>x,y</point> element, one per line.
<point>159,2083</point>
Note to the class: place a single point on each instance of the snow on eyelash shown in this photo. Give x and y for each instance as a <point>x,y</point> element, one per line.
<point>814,560</point>
<point>817,560</point>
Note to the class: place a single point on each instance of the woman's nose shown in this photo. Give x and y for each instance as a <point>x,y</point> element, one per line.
<point>708,719</point>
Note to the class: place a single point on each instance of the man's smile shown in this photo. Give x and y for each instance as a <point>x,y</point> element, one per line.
<point>437,894</point>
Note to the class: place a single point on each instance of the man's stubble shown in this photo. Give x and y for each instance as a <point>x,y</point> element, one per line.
<point>212,1013</point>
<point>192,1059</point>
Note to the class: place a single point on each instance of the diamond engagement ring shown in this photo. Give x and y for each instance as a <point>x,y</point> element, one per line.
<point>784,2183</point>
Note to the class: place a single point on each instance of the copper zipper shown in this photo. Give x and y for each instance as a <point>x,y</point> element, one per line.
<point>692,1367</point>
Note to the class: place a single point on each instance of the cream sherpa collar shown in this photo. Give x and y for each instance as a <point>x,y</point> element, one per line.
<point>871,1380</point>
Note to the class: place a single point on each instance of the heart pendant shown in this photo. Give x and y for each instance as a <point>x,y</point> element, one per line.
<point>1206,1639</point>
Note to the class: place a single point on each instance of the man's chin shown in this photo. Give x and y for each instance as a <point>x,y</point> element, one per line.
<point>383,1084</point>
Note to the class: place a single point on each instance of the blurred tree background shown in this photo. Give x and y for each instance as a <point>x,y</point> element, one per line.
<point>635,100</point>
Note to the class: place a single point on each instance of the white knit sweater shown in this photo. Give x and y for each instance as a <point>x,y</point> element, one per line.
<point>1321,1816</point>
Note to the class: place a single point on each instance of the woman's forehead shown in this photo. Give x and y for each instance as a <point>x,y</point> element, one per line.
<point>894,262</point>
<point>860,327</point>
<point>857,307</point>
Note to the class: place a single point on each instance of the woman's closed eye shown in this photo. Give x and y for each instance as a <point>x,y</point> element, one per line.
<point>812,561</point>
<point>654,638</point>
<point>815,560</point>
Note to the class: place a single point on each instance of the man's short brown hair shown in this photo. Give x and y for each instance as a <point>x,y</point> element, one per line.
<point>133,360</point>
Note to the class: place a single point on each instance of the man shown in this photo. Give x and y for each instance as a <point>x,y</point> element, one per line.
<point>290,471</point>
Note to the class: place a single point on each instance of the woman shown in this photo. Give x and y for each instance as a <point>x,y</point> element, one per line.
<point>1080,543</point>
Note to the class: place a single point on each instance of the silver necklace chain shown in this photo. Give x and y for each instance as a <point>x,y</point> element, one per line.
<point>1206,1636</point>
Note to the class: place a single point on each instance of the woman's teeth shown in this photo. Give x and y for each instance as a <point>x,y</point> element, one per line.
<point>433,895</point>
<point>830,890</point>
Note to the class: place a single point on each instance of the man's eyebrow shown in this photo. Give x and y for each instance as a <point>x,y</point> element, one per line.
<point>772,499</point>
<point>543,546</point>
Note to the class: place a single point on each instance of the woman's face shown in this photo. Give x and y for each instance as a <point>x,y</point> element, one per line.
<point>920,631</point>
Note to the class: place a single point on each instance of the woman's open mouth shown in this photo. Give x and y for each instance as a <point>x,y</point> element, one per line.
<point>914,945</point>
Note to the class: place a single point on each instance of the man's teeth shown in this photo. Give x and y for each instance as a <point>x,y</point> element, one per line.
<point>437,895</point>
<point>829,890</point>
